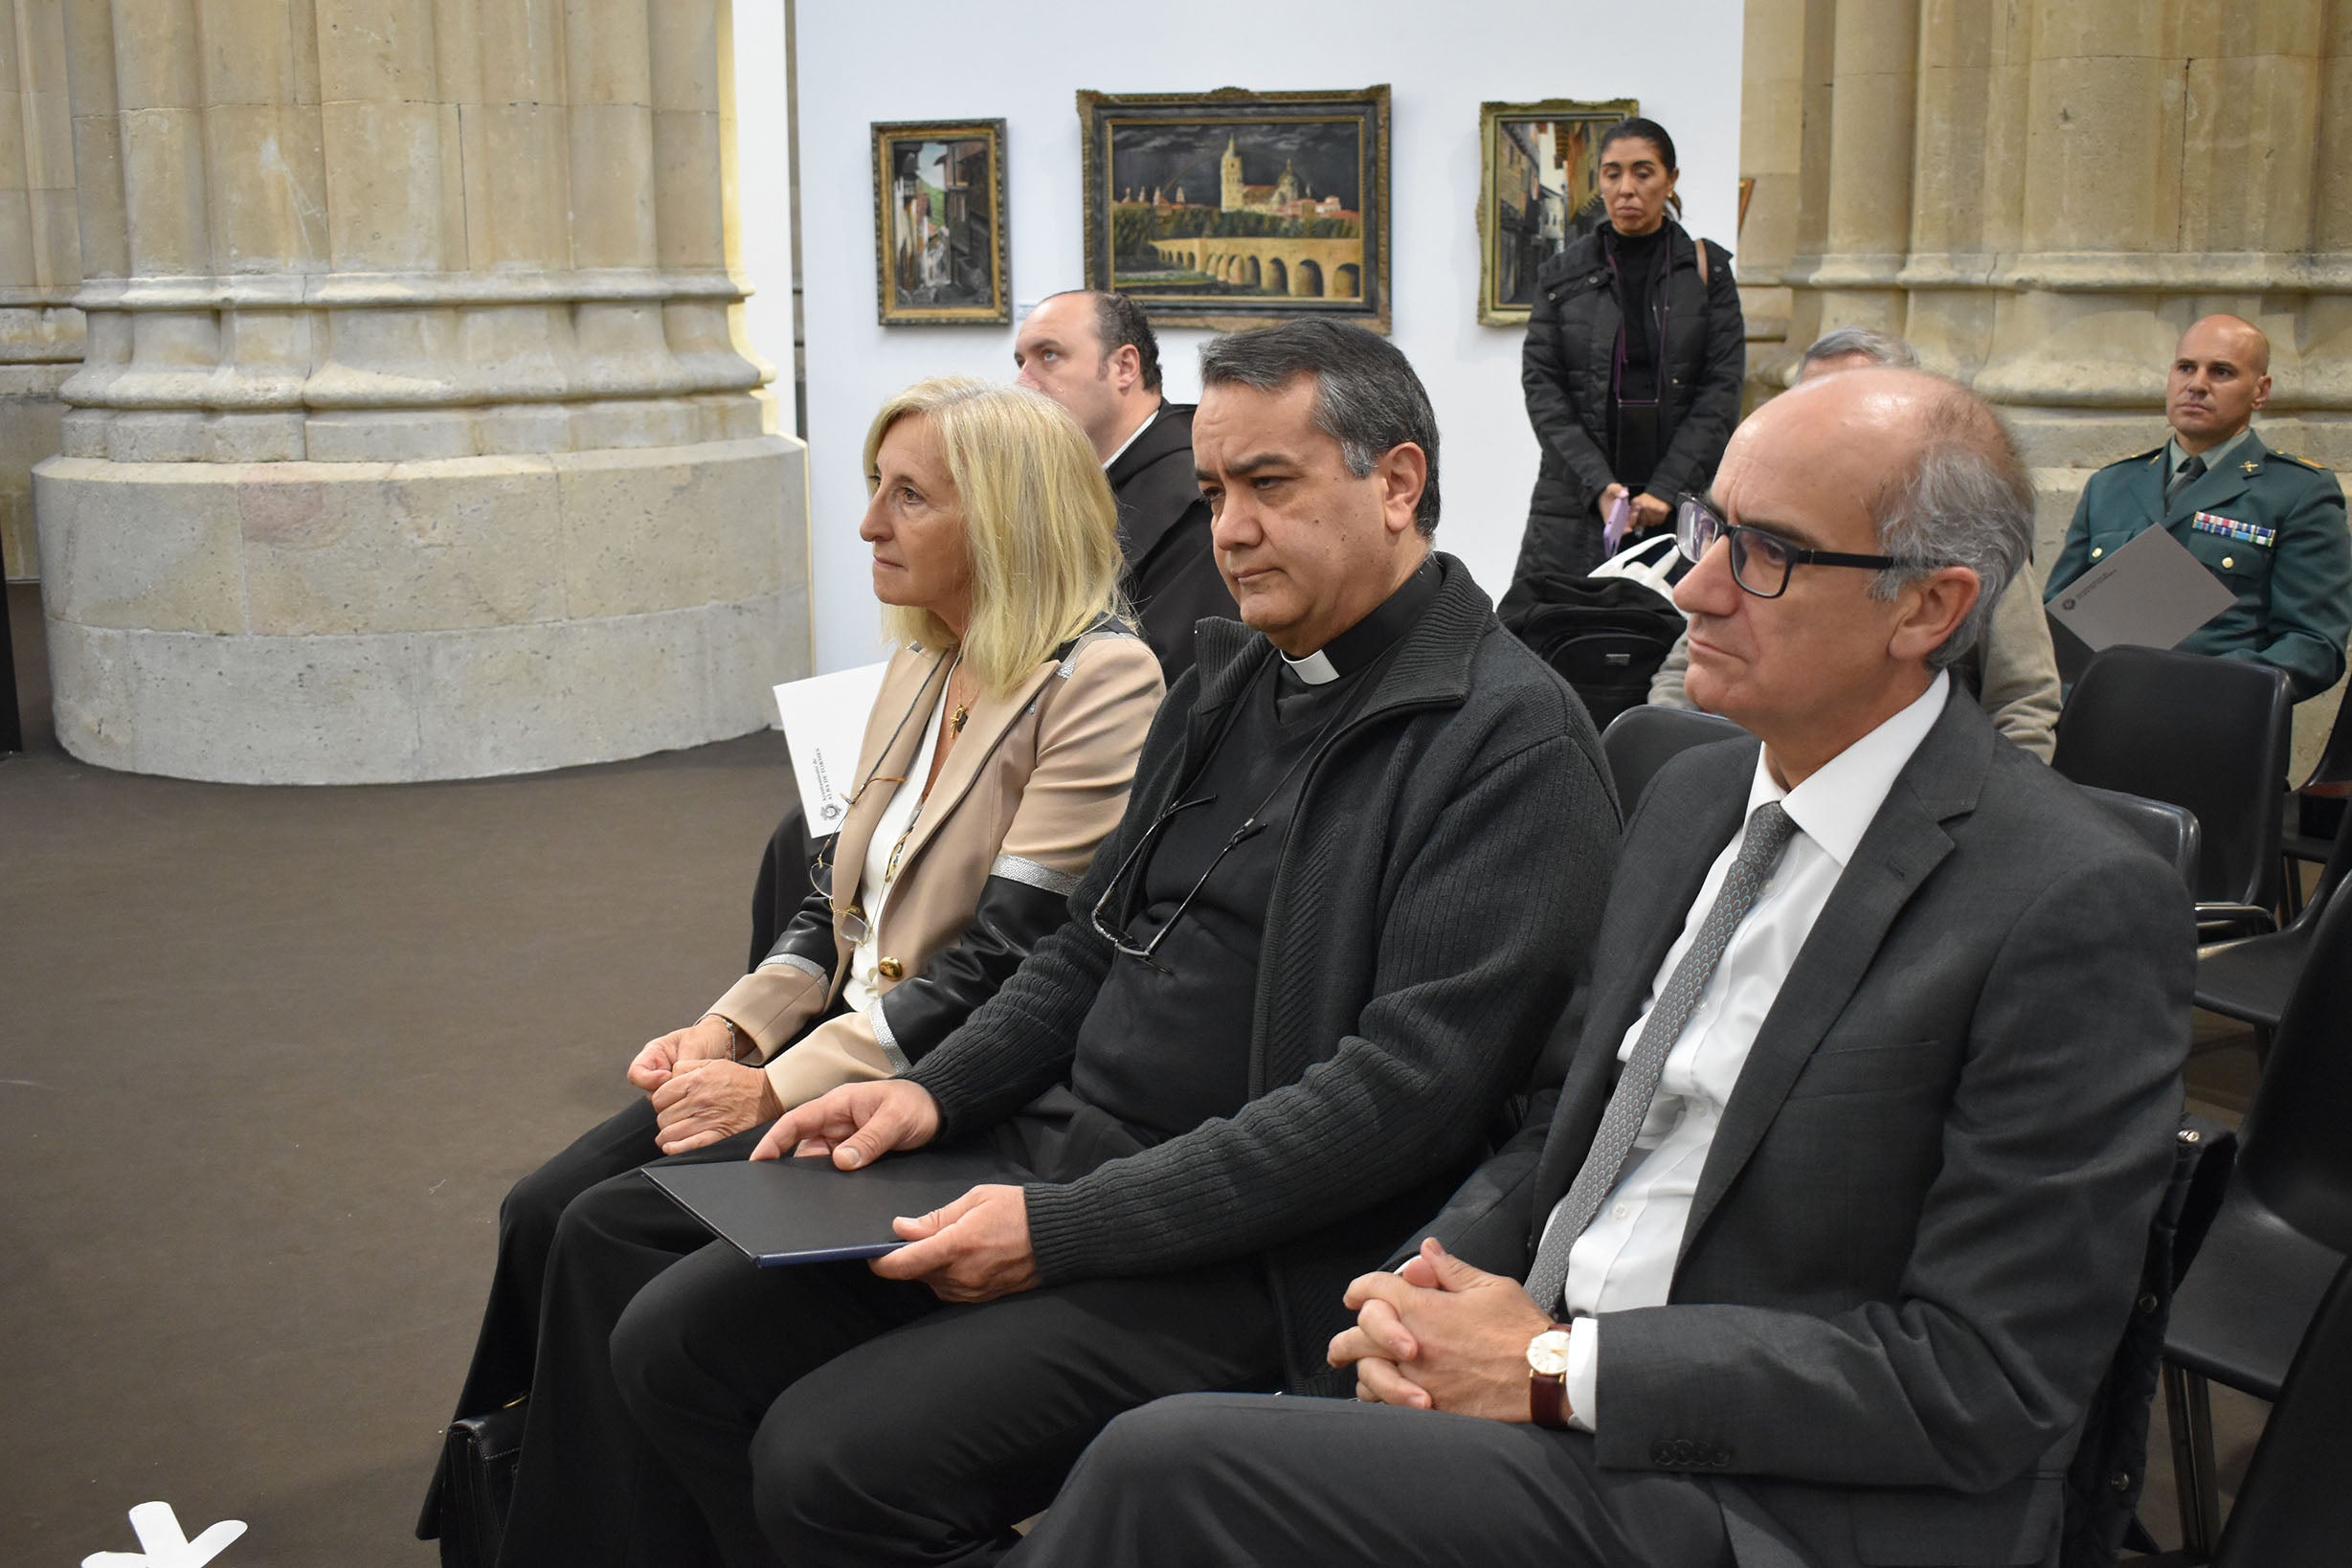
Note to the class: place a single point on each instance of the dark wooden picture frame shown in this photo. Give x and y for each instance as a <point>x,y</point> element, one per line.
<point>940,246</point>
<point>1538,167</point>
<point>1232,208</point>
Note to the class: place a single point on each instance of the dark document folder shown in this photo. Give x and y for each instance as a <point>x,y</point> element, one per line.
<point>792,1211</point>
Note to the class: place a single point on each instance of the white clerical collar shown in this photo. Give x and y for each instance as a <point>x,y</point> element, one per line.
<point>1316,669</point>
<point>1133,434</point>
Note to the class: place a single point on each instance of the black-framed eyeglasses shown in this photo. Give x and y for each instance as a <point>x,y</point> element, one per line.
<point>1761,561</point>
<point>1141,856</point>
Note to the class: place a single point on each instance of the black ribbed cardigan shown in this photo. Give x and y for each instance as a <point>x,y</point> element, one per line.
<point>1437,892</point>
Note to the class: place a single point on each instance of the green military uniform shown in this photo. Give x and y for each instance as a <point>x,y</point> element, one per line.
<point>2270,527</point>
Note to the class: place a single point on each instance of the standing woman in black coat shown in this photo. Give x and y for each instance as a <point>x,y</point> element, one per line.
<point>1633,367</point>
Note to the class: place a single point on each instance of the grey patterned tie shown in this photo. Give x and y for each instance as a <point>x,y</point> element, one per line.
<point>1769,831</point>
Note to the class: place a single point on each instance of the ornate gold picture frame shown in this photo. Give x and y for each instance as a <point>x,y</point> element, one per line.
<point>1232,207</point>
<point>940,254</point>
<point>1539,168</point>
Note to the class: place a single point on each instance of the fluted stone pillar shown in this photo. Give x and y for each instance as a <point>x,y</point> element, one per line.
<point>413,439</point>
<point>2080,180</point>
<point>40,260</point>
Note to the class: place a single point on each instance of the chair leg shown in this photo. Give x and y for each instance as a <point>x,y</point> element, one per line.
<point>2290,890</point>
<point>2188,1409</point>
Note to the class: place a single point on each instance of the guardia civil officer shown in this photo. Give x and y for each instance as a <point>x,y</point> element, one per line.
<point>2270,527</point>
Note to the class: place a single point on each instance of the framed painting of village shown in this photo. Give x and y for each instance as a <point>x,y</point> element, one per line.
<point>1540,187</point>
<point>1230,208</point>
<point>939,230</point>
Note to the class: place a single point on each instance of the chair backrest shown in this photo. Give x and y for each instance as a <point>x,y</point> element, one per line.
<point>2210,734</point>
<point>2294,1149</point>
<point>2335,759</point>
<point>2294,1507</point>
<point>1641,740</point>
<point>2170,830</point>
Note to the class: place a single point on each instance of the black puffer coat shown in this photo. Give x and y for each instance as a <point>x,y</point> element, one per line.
<point>1565,369</point>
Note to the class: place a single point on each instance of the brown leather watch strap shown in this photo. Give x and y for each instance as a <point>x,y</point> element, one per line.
<point>1547,1399</point>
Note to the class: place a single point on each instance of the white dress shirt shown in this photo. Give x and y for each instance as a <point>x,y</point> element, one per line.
<point>1625,1257</point>
<point>1134,436</point>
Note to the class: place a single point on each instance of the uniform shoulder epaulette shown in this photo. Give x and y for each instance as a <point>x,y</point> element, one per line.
<point>2138,457</point>
<point>2301,462</point>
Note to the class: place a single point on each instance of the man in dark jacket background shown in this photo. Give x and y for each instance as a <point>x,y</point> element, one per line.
<point>1359,870</point>
<point>1094,353</point>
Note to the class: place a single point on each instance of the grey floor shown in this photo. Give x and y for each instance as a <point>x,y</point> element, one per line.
<point>268,1059</point>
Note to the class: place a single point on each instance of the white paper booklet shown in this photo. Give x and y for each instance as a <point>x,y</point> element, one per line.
<point>824,725</point>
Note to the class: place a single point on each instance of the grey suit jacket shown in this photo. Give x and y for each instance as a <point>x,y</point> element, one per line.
<point>1917,1233</point>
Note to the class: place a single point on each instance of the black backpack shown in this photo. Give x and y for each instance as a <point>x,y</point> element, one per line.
<point>1606,636</point>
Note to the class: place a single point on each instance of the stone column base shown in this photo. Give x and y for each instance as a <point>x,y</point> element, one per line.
<point>352,623</point>
<point>30,417</point>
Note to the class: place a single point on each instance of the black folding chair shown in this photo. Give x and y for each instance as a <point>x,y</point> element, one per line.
<point>2170,830</point>
<point>2316,809</point>
<point>2284,1224</point>
<point>2209,734</point>
<point>2294,1507</point>
<point>1641,740</point>
<point>2249,979</point>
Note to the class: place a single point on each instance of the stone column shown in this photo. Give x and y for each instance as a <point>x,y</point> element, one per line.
<point>40,260</point>
<point>1875,53</point>
<point>413,442</point>
<point>1772,119</point>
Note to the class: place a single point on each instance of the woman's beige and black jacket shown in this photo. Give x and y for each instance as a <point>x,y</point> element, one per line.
<point>1038,777</point>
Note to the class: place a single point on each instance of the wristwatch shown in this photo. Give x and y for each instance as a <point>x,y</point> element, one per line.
<point>1547,1377</point>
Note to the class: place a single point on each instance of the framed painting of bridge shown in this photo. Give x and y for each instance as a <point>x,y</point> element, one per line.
<point>1232,208</point>
<point>939,233</point>
<point>1540,187</point>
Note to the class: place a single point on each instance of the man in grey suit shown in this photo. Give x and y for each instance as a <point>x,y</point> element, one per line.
<point>1835,1220</point>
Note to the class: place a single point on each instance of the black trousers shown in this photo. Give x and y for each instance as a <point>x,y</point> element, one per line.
<point>822,1415</point>
<point>506,1349</point>
<point>588,1490</point>
<point>1231,1479</point>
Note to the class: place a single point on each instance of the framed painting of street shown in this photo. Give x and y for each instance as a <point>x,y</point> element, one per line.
<point>1232,207</point>
<point>940,229</point>
<point>1540,187</point>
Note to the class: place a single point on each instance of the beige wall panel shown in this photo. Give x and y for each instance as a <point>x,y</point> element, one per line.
<point>612,185</point>
<point>17,267</point>
<point>2331,203</point>
<point>267,187</point>
<point>156,64</point>
<point>522,51</point>
<point>2096,155</point>
<point>646,530</point>
<point>101,222</point>
<point>246,49</point>
<point>41,40</point>
<point>689,209</point>
<point>517,185</point>
<point>377,50</point>
<point>457,51</point>
<point>606,52</point>
<point>49,138</point>
<point>352,548</point>
<point>56,238</point>
<point>384,201</point>
<point>684,50</point>
<point>89,55</point>
<point>164,189</point>
<point>2244,31</point>
<point>2102,29</point>
<point>2246,170</point>
<point>12,135</point>
<point>157,555</point>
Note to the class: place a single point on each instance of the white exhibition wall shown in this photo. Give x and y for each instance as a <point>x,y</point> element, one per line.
<point>936,60</point>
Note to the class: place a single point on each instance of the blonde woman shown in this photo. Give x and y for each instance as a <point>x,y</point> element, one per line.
<point>996,755</point>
